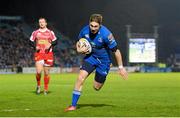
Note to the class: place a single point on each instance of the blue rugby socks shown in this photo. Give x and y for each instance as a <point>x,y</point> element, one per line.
<point>75,97</point>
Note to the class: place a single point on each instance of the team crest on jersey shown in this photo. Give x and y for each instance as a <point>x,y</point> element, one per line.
<point>87,35</point>
<point>100,40</point>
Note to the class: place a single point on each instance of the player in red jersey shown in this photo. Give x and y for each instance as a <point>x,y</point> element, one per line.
<point>43,41</point>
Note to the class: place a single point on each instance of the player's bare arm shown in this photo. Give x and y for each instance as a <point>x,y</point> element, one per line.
<point>122,70</point>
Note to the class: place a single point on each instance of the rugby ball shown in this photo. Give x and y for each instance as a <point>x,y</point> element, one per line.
<point>85,43</point>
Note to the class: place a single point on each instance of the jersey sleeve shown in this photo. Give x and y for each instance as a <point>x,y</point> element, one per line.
<point>53,37</point>
<point>83,32</point>
<point>110,40</point>
<point>80,34</point>
<point>33,36</point>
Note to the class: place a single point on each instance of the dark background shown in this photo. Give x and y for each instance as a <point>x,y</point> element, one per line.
<point>69,16</point>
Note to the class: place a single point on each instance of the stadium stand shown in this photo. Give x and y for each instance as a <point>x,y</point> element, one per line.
<point>16,53</point>
<point>14,49</point>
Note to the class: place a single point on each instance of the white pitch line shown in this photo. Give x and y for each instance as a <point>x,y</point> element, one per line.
<point>26,109</point>
<point>8,110</point>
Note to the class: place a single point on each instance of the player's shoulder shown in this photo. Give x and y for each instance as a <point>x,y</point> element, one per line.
<point>49,30</point>
<point>35,32</point>
<point>104,30</point>
<point>85,29</point>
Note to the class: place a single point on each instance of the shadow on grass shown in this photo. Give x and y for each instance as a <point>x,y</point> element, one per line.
<point>42,92</point>
<point>94,105</point>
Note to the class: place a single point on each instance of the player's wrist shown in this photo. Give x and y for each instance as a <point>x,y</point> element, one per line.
<point>120,67</point>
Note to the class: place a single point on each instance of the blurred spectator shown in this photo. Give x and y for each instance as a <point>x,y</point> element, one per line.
<point>14,49</point>
<point>171,61</point>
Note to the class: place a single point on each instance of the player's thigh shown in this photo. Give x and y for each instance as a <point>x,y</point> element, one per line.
<point>82,76</point>
<point>102,71</point>
<point>81,79</point>
<point>39,66</point>
<point>49,60</point>
<point>48,63</point>
<point>85,70</point>
<point>47,70</point>
<point>99,79</point>
<point>88,67</point>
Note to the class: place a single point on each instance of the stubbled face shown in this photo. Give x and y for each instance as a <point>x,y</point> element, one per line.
<point>94,27</point>
<point>42,23</point>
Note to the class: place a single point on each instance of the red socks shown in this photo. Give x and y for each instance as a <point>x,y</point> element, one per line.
<point>46,82</point>
<point>38,79</point>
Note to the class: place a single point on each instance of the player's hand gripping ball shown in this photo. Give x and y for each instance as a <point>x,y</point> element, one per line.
<point>84,46</point>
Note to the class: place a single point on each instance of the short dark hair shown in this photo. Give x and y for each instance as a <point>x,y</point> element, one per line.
<point>43,18</point>
<point>96,18</point>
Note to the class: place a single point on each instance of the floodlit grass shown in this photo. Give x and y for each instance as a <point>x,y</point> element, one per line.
<point>143,94</point>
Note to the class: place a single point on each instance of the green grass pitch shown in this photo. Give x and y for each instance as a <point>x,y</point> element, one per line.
<point>143,94</point>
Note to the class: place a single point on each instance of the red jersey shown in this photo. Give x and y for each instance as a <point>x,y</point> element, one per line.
<point>43,39</point>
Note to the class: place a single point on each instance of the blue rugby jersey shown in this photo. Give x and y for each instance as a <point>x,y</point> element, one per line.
<point>102,43</point>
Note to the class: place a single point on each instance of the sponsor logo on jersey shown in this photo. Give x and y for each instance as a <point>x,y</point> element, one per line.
<point>111,37</point>
<point>42,41</point>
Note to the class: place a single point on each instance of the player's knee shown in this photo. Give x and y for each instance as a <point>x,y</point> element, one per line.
<point>46,74</point>
<point>38,73</point>
<point>96,88</point>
